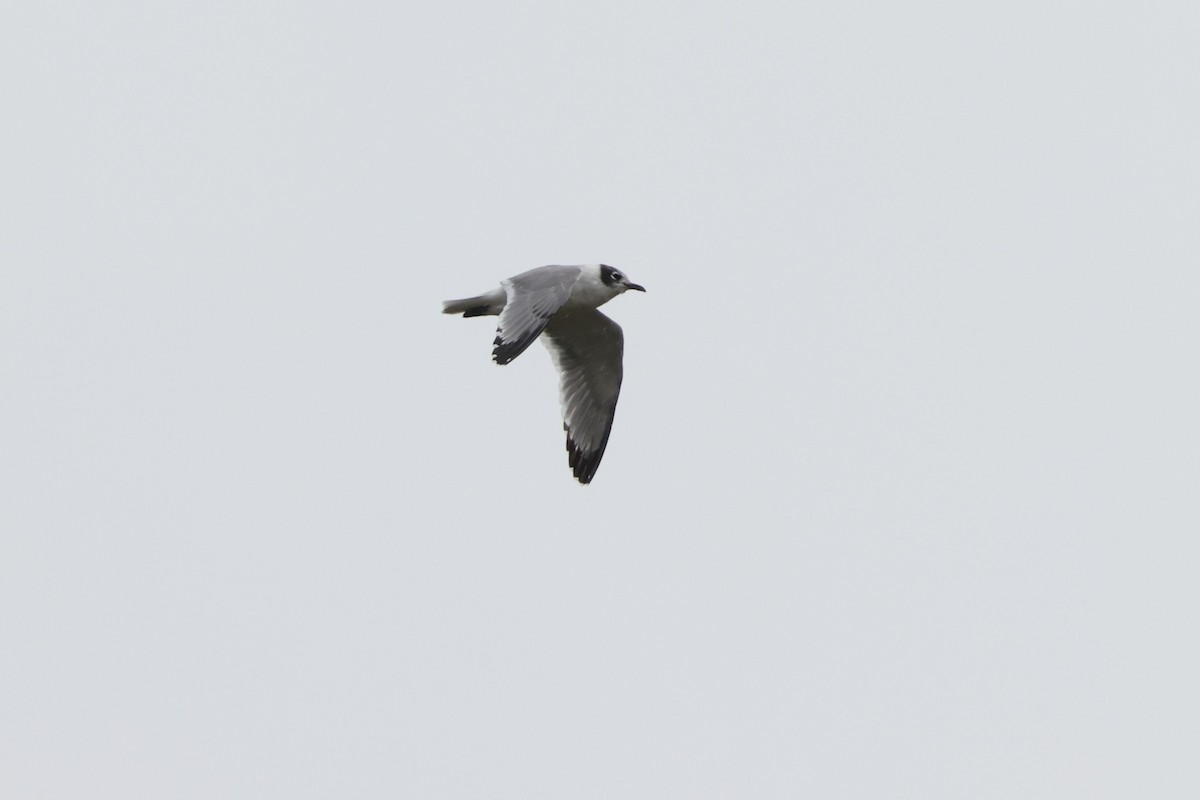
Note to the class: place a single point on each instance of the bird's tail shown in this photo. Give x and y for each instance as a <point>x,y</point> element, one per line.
<point>482,305</point>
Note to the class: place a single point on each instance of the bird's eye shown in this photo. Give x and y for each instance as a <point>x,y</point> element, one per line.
<point>617,276</point>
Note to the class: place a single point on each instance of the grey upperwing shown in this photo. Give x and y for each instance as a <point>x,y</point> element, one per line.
<point>587,349</point>
<point>533,298</point>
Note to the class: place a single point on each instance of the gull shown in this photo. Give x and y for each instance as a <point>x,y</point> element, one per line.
<point>559,304</point>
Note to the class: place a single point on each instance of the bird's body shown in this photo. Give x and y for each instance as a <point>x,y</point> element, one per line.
<point>559,304</point>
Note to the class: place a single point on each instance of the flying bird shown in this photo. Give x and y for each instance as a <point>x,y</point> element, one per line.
<point>559,304</point>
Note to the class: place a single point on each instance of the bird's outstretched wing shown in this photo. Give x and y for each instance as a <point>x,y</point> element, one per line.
<point>586,347</point>
<point>533,298</point>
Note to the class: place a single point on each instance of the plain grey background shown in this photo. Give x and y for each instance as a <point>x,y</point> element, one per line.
<point>901,496</point>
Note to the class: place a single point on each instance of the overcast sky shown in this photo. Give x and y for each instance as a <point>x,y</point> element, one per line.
<point>901,498</point>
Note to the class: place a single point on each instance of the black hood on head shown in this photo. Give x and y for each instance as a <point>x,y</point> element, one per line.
<point>609,275</point>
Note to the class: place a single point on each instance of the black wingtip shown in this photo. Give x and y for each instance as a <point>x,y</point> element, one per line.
<point>584,463</point>
<point>500,354</point>
<point>504,352</point>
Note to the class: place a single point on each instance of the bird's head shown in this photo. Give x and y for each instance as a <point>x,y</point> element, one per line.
<point>617,281</point>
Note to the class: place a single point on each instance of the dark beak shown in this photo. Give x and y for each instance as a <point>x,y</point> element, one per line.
<point>635,287</point>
